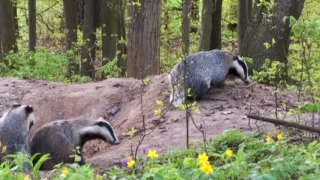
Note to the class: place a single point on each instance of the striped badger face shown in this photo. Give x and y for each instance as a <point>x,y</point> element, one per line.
<point>21,115</point>
<point>104,130</point>
<point>239,68</point>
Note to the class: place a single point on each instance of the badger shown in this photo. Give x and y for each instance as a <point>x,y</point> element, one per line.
<point>203,70</point>
<point>60,139</point>
<point>15,125</point>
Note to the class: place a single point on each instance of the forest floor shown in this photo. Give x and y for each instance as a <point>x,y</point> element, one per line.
<point>223,109</point>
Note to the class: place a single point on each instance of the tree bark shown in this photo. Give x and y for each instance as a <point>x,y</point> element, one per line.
<point>109,30</point>
<point>261,31</point>
<point>32,25</point>
<point>242,21</point>
<point>9,42</point>
<point>186,26</point>
<point>122,61</point>
<point>89,37</point>
<point>215,40</point>
<point>1,51</point>
<point>15,15</point>
<point>71,22</point>
<point>144,39</point>
<point>249,10</point>
<point>206,25</point>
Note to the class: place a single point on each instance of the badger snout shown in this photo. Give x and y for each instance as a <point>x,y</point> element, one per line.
<point>246,80</point>
<point>115,142</point>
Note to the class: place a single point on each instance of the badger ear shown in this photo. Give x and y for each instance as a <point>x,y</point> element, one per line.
<point>29,109</point>
<point>15,105</point>
<point>235,58</point>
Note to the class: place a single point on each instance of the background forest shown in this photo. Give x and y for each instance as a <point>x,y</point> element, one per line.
<point>80,41</point>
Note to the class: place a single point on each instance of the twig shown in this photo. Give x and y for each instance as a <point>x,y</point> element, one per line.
<point>284,123</point>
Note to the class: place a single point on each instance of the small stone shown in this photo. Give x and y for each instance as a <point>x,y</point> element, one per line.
<point>99,86</point>
<point>163,130</point>
<point>175,120</point>
<point>226,112</point>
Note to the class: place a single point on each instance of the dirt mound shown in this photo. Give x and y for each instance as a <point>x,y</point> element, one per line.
<point>224,108</point>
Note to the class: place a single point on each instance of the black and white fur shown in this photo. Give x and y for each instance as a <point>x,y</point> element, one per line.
<point>15,125</point>
<point>60,139</point>
<point>203,70</point>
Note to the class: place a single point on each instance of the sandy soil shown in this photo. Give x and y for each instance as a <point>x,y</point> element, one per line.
<point>223,109</point>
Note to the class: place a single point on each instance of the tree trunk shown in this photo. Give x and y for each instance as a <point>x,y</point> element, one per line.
<point>242,21</point>
<point>71,22</point>
<point>186,26</point>
<point>32,25</point>
<point>144,39</point>
<point>109,30</point>
<point>1,51</point>
<point>89,37</point>
<point>122,61</point>
<point>249,10</point>
<point>215,40</point>
<point>261,31</point>
<point>9,42</point>
<point>15,15</point>
<point>206,25</point>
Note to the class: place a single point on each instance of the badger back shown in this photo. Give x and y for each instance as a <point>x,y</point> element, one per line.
<point>56,139</point>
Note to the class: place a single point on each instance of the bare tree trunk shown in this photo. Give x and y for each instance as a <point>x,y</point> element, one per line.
<point>186,26</point>
<point>89,37</point>
<point>109,30</point>
<point>144,39</point>
<point>32,25</point>
<point>15,15</point>
<point>122,62</point>
<point>9,42</point>
<point>249,10</point>
<point>242,21</point>
<point>206,25</point>
<point>71,22</point>
<point>215,40</point>
<point>261,31</point>
<point>1,50</point>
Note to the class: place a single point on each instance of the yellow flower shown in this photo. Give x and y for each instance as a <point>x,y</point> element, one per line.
<point>157,112</point>
<point>206,168</point>
<point>131,163</point>
<point>152,154</point>
<point>203,158</point>
<point>27,177</point>
<point>280,115</point>
<point>64,172</point>
<point>291,111</point>
<point>229,152</point>
<point>159,103</point>
<point>280,137</point>
<point>269,139</point>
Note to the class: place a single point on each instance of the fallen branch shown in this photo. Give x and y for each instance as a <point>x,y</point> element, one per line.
<point>284,123</point>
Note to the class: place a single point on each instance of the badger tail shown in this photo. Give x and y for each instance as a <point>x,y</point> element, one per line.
<point>177,94</point>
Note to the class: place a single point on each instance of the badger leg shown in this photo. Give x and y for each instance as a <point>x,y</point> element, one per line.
<point>201,90</point>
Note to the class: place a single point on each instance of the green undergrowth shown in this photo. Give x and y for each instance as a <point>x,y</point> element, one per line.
<point>232,155</point>
<point>42,65</point>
